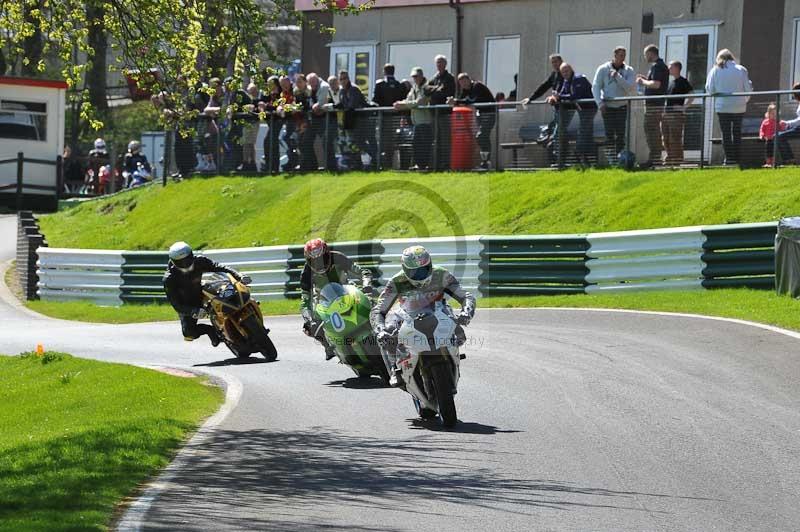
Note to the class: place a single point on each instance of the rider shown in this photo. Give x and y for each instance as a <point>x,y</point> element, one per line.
<point>422,282</point>
<point>182,285</point>
<point>324,266</point>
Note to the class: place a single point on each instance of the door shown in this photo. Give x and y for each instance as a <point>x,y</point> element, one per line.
<point>359,61</point>
<point>695,47</point>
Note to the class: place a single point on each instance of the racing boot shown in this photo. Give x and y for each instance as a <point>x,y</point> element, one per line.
<point>330,352</point>
<point>396,379</point>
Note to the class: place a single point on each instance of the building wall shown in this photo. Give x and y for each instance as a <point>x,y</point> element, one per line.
<point>314,55</point>
<point>537,22</point>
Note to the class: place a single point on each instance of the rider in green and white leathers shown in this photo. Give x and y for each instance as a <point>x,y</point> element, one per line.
<point>419,293</point>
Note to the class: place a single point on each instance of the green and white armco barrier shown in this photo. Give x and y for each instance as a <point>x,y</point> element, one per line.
<point>736,255</point>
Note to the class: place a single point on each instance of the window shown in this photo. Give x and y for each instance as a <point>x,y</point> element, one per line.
<point>502,64</point>
<point>587,51</point>
<point>407,55</point>
<point>23,120</point>
<point>358,61</point>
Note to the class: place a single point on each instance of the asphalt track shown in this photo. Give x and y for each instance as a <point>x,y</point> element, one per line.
<point>571,420</point>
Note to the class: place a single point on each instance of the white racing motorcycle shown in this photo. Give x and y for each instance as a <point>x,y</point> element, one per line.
<point>428,357</point>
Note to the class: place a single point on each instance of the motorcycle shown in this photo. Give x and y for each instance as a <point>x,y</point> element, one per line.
<point>344,314</point>
<point>237,317</point>
<point>429,359</point>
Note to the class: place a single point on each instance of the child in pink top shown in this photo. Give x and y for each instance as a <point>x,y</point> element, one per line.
<point>769,128</point>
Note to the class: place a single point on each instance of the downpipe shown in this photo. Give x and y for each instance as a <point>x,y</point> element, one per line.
<point>456,4</point>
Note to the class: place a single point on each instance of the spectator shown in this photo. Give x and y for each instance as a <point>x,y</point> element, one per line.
<point>770,127</point>
<point>407,84</point>
<point>439,88</point>
<point>472,92</point>
<point>552,83</point>
<point>285,110</point>
<point>234,102</point>
<point>98,158</point>
<point>302,101</point>
<point>184,143</point>
<point>575,87</point>
<point>512,96</point>
<point>211,138</point>
<point>250,129</point>
<point>72,171</point>
<point>387,91</point>
<point>655,83</point>
<point>354,125</point>
<point>614,79</point>
<point>133,159</point>
<point>500,97</point>
<point>420,118</point>
<point>269,103</point>
<point>726,77</point>
<point>792,131</point>
<point>321,126</point>
<point>674,120</point>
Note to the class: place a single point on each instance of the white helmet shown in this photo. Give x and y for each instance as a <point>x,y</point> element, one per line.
<point>417,265</point>
<point>99,144</point>
<point>134,146</point>
<point>181,256</point>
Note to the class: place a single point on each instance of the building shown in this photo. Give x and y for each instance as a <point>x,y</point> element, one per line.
<point>502,37</point>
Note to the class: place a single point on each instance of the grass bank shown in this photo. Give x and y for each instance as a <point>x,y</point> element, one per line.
<point>226,212</point>
<point>80,435</point>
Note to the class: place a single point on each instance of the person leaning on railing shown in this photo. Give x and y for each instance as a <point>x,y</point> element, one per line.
<point>575,87</point>
<point>469,93</point>
<point>792,131</point>
<point>674,121</point>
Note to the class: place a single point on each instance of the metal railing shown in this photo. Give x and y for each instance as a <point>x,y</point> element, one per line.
<point>504,136</point>
<point>19,186</point>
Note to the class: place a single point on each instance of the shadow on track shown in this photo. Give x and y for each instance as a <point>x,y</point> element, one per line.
<point>357,383</point>
<point>234,362</point>
<point>282,480</point>
<point>461,428</point>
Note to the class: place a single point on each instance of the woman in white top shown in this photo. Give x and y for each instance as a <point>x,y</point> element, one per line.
<point>724,78</point>
<point>792,131</point>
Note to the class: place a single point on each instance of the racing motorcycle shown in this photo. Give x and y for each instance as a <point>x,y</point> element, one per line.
<point>237,317</point>
<point>429,359</point>
<point>344,314</point>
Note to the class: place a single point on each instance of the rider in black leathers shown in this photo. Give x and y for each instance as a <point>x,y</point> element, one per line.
<point>182,286</point>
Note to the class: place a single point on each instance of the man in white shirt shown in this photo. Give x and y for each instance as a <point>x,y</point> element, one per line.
<point>614,79</point>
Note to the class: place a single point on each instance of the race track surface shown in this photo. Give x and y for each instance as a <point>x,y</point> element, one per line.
<point>570,420</point>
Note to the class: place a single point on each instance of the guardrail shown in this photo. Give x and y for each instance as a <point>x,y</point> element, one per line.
<point>30,241</point>
<point>737,255</point>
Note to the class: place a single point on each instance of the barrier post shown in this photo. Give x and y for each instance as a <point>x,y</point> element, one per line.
<point>269,157</point>
<point>436,138</point>
<point>325,141</point>
<point>562,138</point>
<point>379,143</point>
<point>703,134</point>
<point>59,176</point>
<point>20,163</point>
<point>775,152</point>
<point>497,139</point>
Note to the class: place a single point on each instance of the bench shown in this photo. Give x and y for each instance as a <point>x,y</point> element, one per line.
<point>599,142</point>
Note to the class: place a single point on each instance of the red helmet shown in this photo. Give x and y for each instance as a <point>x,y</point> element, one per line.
<point>318,255</point>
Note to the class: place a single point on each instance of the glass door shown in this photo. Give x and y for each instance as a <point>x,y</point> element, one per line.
<point>359,61</point>
<point>695,48</point>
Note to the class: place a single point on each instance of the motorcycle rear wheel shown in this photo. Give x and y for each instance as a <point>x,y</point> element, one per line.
<point>443,383</point>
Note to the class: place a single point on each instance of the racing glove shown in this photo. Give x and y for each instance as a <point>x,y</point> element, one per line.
<point>463,319</point>
<point>384,337</point>
<point>246,279</point>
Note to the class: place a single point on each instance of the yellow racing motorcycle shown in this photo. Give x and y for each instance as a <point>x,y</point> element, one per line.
<point>237,317</point>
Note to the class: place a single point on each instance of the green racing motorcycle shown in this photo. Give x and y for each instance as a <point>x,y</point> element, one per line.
<point>344,315</point>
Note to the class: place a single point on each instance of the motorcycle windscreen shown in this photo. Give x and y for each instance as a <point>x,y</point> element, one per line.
<point>336,298</point>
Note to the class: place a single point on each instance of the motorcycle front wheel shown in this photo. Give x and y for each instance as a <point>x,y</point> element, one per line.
<point>260,339</point>
<point>443,384</point>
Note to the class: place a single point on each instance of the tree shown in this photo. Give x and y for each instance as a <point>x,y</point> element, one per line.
<point>184,40</point>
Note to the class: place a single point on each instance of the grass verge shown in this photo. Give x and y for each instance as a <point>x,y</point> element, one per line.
<point>227,212</point>
<point>753,305</point>
<point>87,311</point>
<point>80,435</point>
